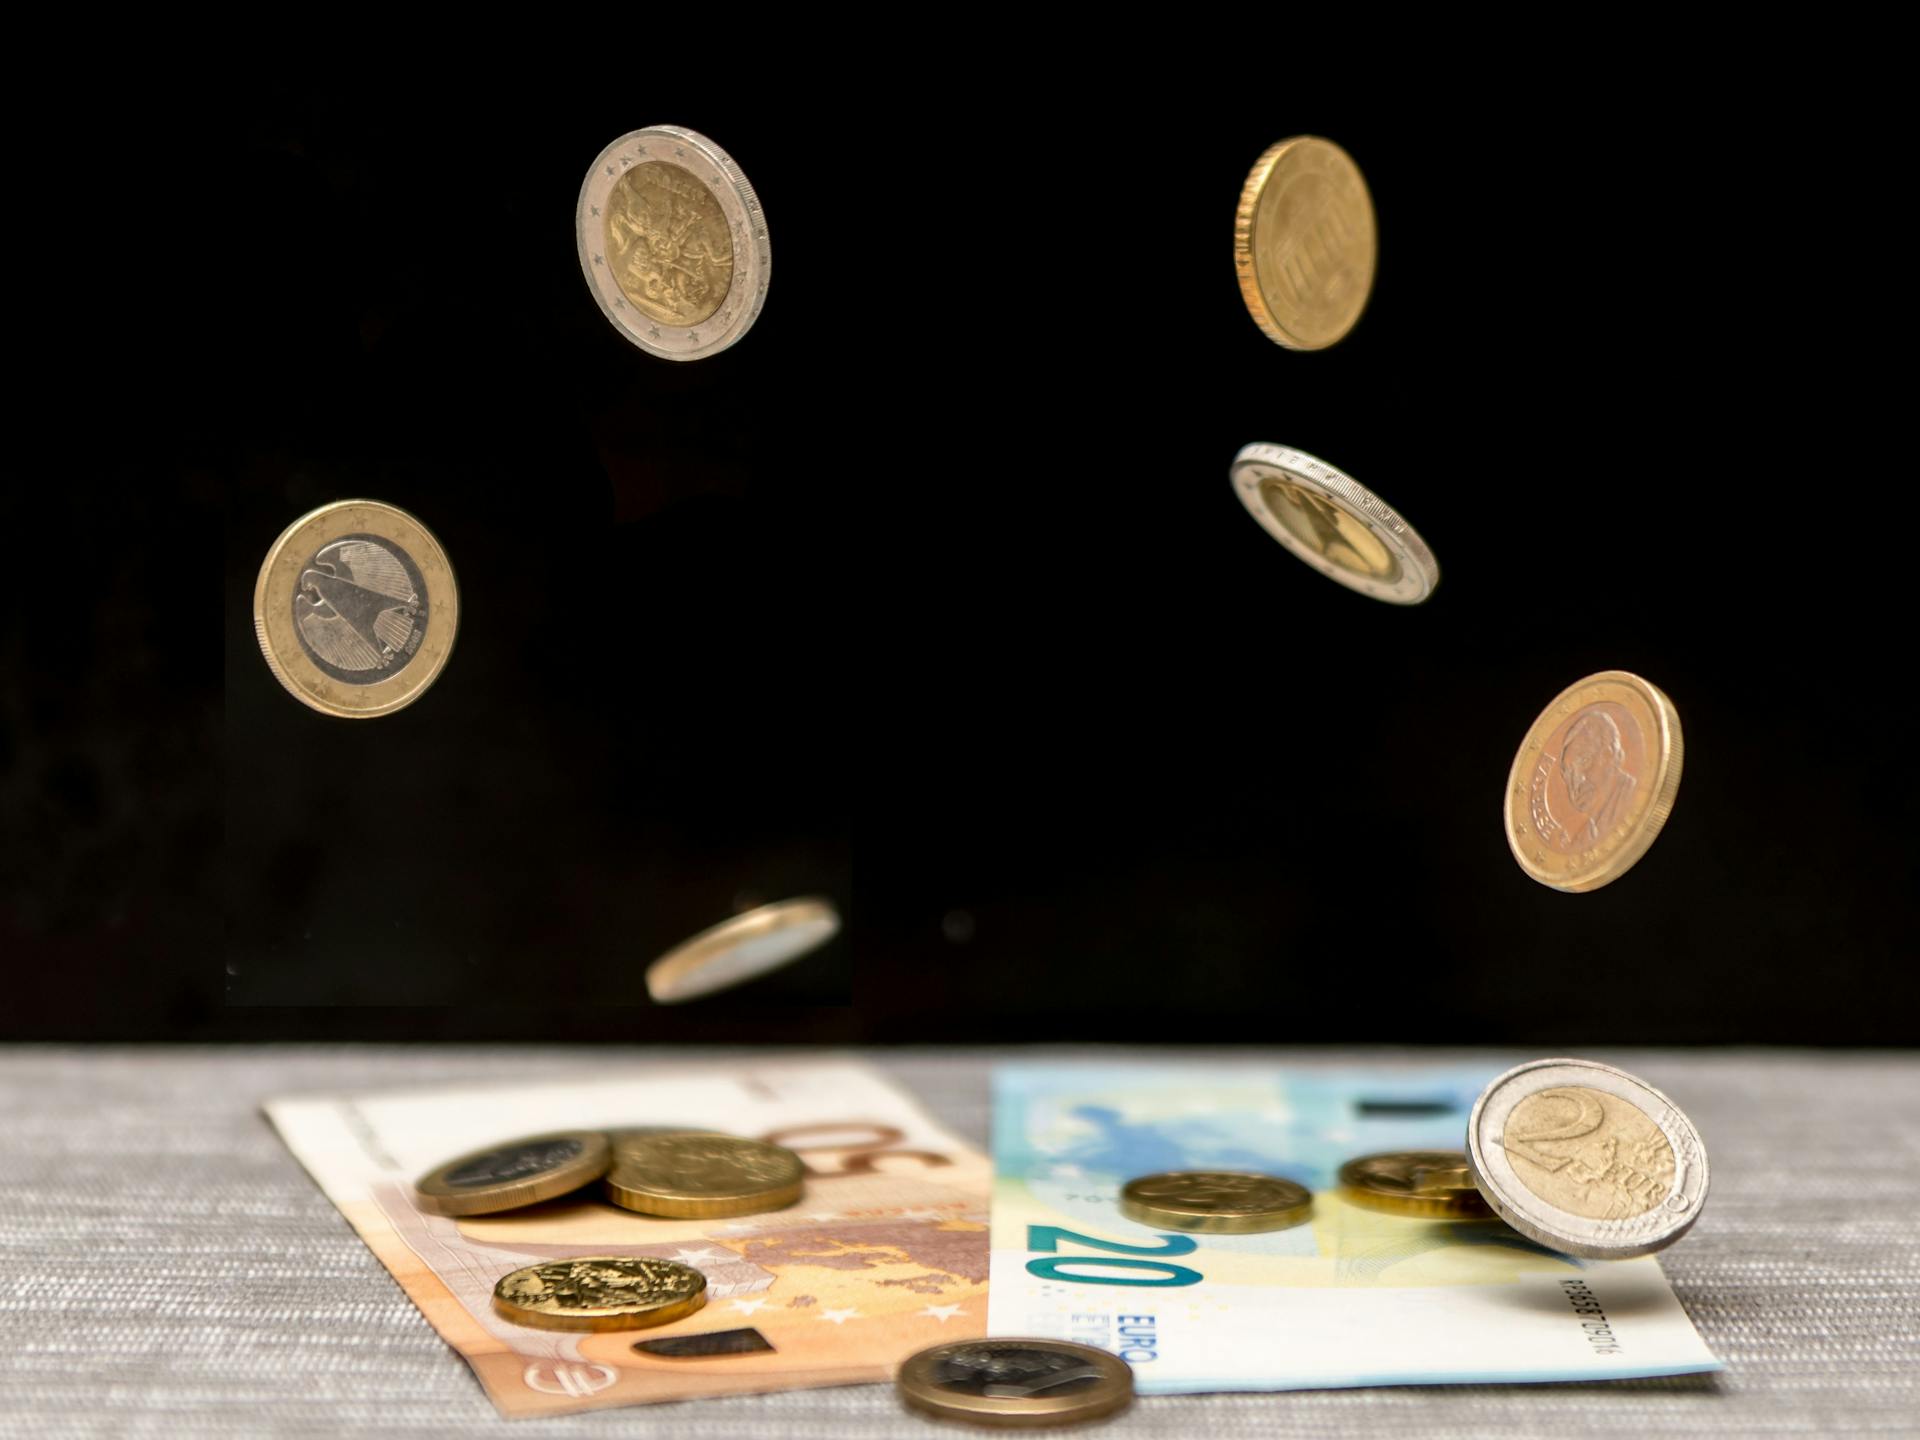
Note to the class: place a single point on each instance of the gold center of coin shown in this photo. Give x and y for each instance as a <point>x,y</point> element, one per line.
<point>1588,776</point>
<point>1589,1153</point>
<point>668,243</point>
<point>1330,532</point>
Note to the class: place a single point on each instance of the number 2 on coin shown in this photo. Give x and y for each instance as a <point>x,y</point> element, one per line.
<point>1050,1267</point>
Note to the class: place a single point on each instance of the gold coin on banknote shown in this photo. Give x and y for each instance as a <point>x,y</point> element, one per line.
<point>741,949</point>
<point>1303,243</point>
<point>514,1173</point>
<point>1218,1202</point>
<point>1014,1382</point>
<point>1587,1159</point>
<point>695,1176</point>
<point>1593,782</point>
<point>356,609</point>
<point>600,1292</point>
<point>1427,1184</point>
<point>1334,523</point>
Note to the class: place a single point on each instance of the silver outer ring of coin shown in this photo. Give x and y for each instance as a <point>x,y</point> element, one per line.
<point>784,930</point>
<point>1419,571</point>
<point>1559,1229</point>
<point>752,255</point>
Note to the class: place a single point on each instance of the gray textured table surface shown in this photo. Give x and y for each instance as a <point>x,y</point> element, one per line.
<point>170,1269</point>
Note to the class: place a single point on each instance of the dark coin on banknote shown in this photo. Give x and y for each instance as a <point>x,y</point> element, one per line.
<point>1016,1382</point>
<point>697,1175</point>
<point>600,1292</point>
<point>1425,1184</point>
<point>1219,1202</point>
<point>515,1173</point>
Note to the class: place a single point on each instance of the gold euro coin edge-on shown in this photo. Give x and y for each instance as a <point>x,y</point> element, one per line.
<point>1246,257</point>
<point>1596,866</point>
<point>282,648</point>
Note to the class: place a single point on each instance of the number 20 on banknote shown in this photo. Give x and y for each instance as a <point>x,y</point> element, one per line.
<point>1128,1258</point>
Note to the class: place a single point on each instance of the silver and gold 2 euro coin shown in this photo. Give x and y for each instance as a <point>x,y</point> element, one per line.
<point>356,609</point>
<point>673,243</point>
<point>1334,523</point>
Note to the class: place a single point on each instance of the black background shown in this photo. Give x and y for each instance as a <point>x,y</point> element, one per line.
<point>931,594</point>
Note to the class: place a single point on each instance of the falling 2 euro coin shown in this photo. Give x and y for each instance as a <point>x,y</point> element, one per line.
<point>673,243</point>
<point>1334,523</point>
<point>1593,781</point>
<point>1304,243</point>
<point>356,609</point>
<point>741,949</point>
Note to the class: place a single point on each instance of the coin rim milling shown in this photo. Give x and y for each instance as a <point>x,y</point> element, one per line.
<point>273,624</point>
<point>1466,1204</point>
<point>661,1197</point>
<point>1667,751</point>
<point>1419,571</point>
<point>433,1194</point>
<point>684,961</point>
<point>1563,1230</point>
<point>1202,1222</point>
<point>1246,262</point>
<point>664,1314</point>
<point>923,1394</point>
<point>752,251</point>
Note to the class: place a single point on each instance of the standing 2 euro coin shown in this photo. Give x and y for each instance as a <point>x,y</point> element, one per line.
<point>1015,1382</point>
<point>1593,782</point>
<point>1334,523</point>
<point>673,243</point>
<point>1304,244</point>
<point>1587,1159</point>
<point>356,609</point>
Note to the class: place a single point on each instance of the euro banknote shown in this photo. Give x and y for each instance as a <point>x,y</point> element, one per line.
<point>885,1253</point>
<point>1352,1297</point>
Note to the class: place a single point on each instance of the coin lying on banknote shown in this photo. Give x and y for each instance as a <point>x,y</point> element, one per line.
<point>516,1173</point>
<point>741,949</point>
<point>1303,243</point>
<point>1334,523</point>
<point>600,1292</point>
<point>673,243</point>
<point>1016,1382</point>
<point>1593,781</point>
<point>1217,1202</point>
<point>1425,1184</point>
<point>1587,1159</point>
<point>355,609</point>
<point>700,1176</point>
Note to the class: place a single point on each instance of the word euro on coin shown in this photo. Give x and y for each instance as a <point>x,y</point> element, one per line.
<point>1334,523</point>
<point>1218,1202</point>
<point>673,243</point>
<point>1422,1184</point>
<point>1304,244</point>
<point>519,1172</point>
<point>356,609</point>
<point>700,1177</point>
<point>740,949</point>
<point>1593,782</point>
<point>600,1292</point>
<point>1015,1382</point>
<point>1587,1159</point>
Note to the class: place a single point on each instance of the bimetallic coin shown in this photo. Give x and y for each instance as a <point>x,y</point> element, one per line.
<point>1587,1159</point>
<point>1304,244</point>
<point>673,243</point>
<point>699,1176</point>
<point>356,609</point>
<point>519,1172</point>
<point>600,1292</point>
<point>1016,1382</point>
<point>1426,1184</point>
<point>1594,781</point>
<point>1334,523</point>
<point>1217,1202</point>
<point>738,950</point>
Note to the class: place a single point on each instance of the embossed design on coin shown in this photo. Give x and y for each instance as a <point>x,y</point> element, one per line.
<point>1586,1158</point>
<point>668,243</point>
<point>1593,781</point>
<point>700,1175</point>
<point>1334,523</point>
<point>1016,1381</point>
<point>1304,244</point>
<point>1224,1202</point>
<point>361,609</point>
<point>600,1292</point>
<point>1427,1184</point>
<point>519,1172</point>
